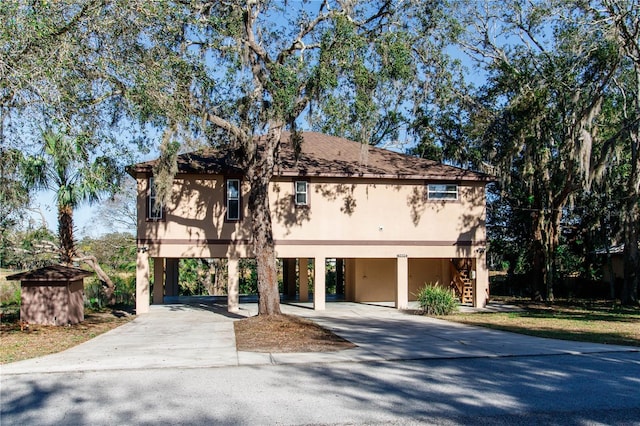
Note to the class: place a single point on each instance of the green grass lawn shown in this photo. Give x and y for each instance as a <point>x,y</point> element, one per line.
<point>579,320</point>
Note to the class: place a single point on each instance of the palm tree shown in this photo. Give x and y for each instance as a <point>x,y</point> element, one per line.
<point>65,166</point>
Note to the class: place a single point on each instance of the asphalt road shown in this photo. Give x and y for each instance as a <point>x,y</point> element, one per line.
<point>588,389</point>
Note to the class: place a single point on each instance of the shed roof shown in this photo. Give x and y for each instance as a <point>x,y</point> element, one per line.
<point>51,273</point>
<point>325,156</point>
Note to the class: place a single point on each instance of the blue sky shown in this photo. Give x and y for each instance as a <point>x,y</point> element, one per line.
<point>86,217</point>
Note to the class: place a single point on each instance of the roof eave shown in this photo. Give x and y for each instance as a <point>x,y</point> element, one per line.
<point>49,274</point>
<point>136,170</point>
<point>446,177</point>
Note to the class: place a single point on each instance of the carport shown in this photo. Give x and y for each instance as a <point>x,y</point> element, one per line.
<point>396,280</point>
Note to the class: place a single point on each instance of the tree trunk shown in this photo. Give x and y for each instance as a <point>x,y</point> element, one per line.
<point>553,241</point>
<point>65,234</point>
<point>604,226</point>
<point>539,259</point>
<point>219,267</point>
<point>549,277</point>
<point>68,253</point>
<point>546,232</point>
<point>631,256</point>
<point>109,287</point>
<point>260,172</point>
<point>207,272</point>
<point>543,256</point>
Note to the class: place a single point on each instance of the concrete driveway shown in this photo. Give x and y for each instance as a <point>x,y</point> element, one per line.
<point>200,335</point>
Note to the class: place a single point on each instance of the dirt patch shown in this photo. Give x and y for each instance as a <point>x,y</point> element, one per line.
<point>286,333</point>
<point>24,341</point>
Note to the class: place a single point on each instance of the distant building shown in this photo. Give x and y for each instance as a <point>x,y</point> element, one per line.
<point>617,263</point>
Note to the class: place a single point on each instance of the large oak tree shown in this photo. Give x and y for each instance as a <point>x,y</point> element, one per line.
<point>221,73</point>
<point>243,71</point>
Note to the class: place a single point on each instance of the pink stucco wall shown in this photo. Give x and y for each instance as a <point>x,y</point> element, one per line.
<point>57,303</point>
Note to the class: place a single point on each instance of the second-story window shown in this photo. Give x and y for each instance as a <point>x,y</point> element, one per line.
<point>302,192</point>
<point>155,209</point>
<point>442,191</point>
<point>233,199</point>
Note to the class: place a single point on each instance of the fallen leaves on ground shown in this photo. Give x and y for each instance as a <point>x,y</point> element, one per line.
<point>286,333</point>
<point>33,340</point>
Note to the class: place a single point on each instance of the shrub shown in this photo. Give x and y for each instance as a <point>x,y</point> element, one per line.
<point>436,300</point>
<point>9,293</point>
<point>94,297</point>
<point>125,292</point>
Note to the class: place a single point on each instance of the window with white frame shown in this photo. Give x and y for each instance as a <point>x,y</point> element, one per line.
<point>442,191</point>
<point>302,192</point>
<point>233,199</point>
<point>155,209</point>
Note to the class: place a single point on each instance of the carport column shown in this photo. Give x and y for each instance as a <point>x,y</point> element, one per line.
<point>158,280</point>
<point>340,276</point>
<point>289,277</point>
<point>303,268</point>
<point>319,284</point>
<point>233,286</point>
<point>481,291</point>
<point>142,281</point>
<point>402,282</point>
<point>172,277</point>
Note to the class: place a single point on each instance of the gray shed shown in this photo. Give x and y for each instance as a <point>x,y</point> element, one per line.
<point>52,295</point>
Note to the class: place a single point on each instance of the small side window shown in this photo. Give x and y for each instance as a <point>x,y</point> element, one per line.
<point>439,191</point>
<point>233,199</point>
<point>302,192</point>
<point>155,209</point>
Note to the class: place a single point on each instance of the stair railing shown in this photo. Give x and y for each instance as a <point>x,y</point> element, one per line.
<point>456,281</point>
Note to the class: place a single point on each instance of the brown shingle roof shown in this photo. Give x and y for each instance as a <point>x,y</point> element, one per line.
<point>327,156</point>
<point>51,273</point>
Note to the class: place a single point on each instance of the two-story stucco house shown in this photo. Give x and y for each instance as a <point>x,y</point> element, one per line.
<point>392,222</point>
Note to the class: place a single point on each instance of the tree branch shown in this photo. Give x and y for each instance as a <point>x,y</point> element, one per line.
<point>223,124</point>
<point>64,29</point>
<point>298,44</point>
<point>251,42</point>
